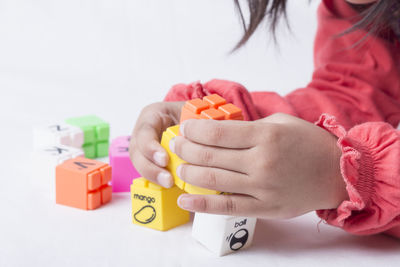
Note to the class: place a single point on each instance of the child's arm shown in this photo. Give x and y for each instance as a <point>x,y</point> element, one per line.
<point>355,85</point>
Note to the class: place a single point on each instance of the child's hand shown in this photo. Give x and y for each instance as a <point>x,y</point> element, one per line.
<point>146,153</point>
<point>277,167</point>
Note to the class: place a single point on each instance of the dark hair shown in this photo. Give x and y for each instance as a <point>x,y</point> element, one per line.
<point>381,16</point>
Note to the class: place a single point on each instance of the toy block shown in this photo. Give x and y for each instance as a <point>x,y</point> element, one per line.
<point>96,134</point>
<point>223,234</point>
<point>231,112</point>
<point>212,114</point>
<point>214,100</point>
<point>83,183</point>
<point>193,108</point>
<point>175,161</point>
<point>156,207</point>
<point>44,163</point>
<point>212,107</point>
<point>123,170</point>
<point>57,133</point>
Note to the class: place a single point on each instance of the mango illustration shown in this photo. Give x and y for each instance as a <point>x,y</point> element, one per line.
<point>145,215</point>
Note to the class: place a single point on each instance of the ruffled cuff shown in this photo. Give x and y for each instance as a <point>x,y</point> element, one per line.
<point>370,168</point>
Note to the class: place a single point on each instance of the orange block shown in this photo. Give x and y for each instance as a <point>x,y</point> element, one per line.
<point>193,108</point>
<point>83,183</point>
<point>231,112</point>
<point>212,114</point>
<point>214,100</point>
<point>212,107</point>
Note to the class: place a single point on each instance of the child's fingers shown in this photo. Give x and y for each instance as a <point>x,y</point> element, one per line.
<point>214,178</point>
<point>237,205</point>
<point>152,172</point>
<point>197,154</point>
<point>228,134</point>
<point>147,142</point>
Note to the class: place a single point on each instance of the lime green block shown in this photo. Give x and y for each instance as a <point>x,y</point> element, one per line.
<point>102,149</point>
<point>90,151</point>
<point>96,134</point>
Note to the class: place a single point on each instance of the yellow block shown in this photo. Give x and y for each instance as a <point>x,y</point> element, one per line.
<point>156,207</point>
<point>175,161</point>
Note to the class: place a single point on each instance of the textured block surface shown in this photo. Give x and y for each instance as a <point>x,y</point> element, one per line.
<point>96,134</point>
<point>212,107</point>
<point>175,161</point>
<point>123,170</point>
<point>57,133</point>
<point>83,183</point>
<point>223,234</point>
<point>156,207</point>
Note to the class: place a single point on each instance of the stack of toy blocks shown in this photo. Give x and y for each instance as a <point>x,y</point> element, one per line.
<point>58,157</point>
<point>123,170</point>
<point>221,234</point>
<point>210,107</point>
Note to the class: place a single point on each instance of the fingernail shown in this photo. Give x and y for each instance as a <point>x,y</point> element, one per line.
<point>165,179</point>
<point>172,145</point>
<point>160,158</point>
<point>179,171</point>
<point>181,129</point>
<point>185,202</point>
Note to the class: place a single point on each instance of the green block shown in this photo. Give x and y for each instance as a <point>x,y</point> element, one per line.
<point>103,132</point>
<point>102,149</point>
<point>95,130</point>
<point>90,150</point>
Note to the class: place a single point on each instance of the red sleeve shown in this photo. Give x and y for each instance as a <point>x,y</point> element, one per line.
<point>370,168</point>
<point>356,84</point>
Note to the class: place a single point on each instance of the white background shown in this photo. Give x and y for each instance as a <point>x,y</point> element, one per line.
<point>110,58</point>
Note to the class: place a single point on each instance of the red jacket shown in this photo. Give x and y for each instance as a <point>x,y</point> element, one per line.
<point>354,94</point>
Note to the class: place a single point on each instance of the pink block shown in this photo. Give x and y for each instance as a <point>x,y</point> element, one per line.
<point>123,171</point>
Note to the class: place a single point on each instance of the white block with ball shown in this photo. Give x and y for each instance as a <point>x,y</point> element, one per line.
<point>223,234</point>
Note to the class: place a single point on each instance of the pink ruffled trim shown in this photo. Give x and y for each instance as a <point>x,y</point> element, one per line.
<point>352,154</point>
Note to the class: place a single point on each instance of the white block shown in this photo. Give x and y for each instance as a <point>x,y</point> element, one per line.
<point>44,162</point>
<point>223,234</point>
<point>57,133</point>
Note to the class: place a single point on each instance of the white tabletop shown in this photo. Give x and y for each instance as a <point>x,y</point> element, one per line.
<point>60,59</point>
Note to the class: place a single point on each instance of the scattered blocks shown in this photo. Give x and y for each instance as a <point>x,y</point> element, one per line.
<point>57,133</point>
<point>223,234</point>
<point>83,183</point>
<point>175,161</point>
<point>123,170</point>
<point>156,207</point>
<point>96,135</point>
<point>210,107</point>
<point>45,160</point>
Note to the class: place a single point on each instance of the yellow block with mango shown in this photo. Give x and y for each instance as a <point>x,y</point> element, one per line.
<point>156,207</point>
